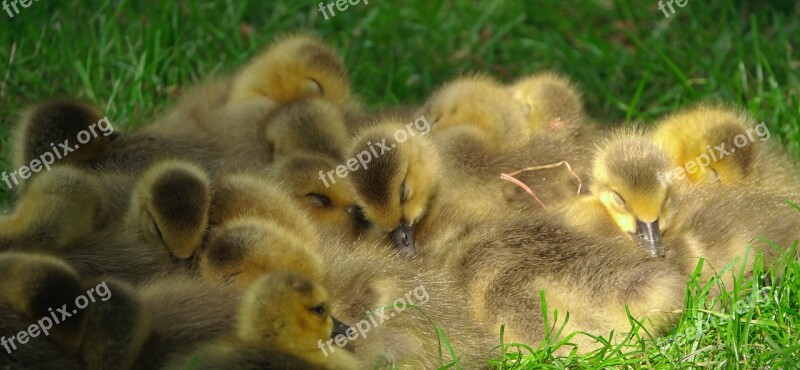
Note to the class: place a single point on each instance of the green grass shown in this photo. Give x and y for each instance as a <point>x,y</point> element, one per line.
<point>133,57</point>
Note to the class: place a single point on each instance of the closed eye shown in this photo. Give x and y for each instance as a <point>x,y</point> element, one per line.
<point>318,200</point>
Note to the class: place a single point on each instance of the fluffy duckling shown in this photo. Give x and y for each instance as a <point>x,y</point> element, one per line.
<point>481,102</point>
<point>32,285</point>
<point>593,278</point>
<point>121,326</point>
<point>243,249</point>
<point>57,209</point>
<point>682,223</point>
<point>331,206</point>
<point>309,125</point>
<point>551,103</point>
<point>730,224</point>
<point>462,114</point>
<point>397,304</point>
<point>283,318</point>
<point>41,353</point>
<point>247,195</point>
<point>104,333</point>
<point>91,221</point>
<point>705,137</point>
<point>185,312</point>
<point>44,126</point>
<point>626,194</point>
<point>400,184</point>
<point>171,205</point>
<point>294,67</point>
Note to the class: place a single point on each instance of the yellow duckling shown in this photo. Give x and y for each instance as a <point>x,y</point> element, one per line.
<point>295,67</point>
<point>282,320</point>
<point>482,103</point>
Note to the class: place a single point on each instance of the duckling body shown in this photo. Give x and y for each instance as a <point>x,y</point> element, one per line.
<point>398,303</point>
<point>730,225</point>
<point>591,277</point>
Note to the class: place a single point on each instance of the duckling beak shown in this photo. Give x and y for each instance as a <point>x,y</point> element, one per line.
<point>339,328</point>
<point>649,237</point>
<point>403,239</point>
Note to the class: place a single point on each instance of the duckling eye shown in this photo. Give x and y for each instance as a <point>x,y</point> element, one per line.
<point>319,310</point>
<point>315,87</point>
<point>358,214</point>
<point>318,200</point>
<point>405,192</point>
<point>618,199</point>
<point>155,230</point>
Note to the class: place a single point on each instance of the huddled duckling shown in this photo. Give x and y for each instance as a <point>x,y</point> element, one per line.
<point>400,305</point>
<point>121,326</point>
<point>311,126</point>
<point>57,209</point>
<point>96,224</point>
<point>552,104</point>
<point>294,67</point>
<point>400,185</point>
<point>331,206</point>
<point>595,279</point>
<point>45,128</point>
<point>171,205</point>
<point>243,249</point>
<point>626,197</point>
<point>481,103</point>
<point>712,144</point>
<point>282,318</point>
<point>694,135</point>
<point>249,195</point>
<point>684,224</point>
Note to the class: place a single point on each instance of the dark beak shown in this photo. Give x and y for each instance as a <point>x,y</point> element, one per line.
<point>403,239</point>
<point>339,328</point>
<point>649,237</point>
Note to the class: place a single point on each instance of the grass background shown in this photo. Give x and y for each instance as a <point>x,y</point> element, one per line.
<point>132,58</point>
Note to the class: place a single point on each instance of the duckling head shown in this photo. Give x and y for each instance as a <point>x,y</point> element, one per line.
<point>308,125</point>
<point>398,180</point>
<point>295,67</point>
<point>626,182</point>
<point>53,122</point>
<point>288,312</point>
<point>545,97</point>
<point>329,201</point>
<point>480,102</point>
<point>243,249</point>
<point>718,143</point>
<point>171,205</point>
